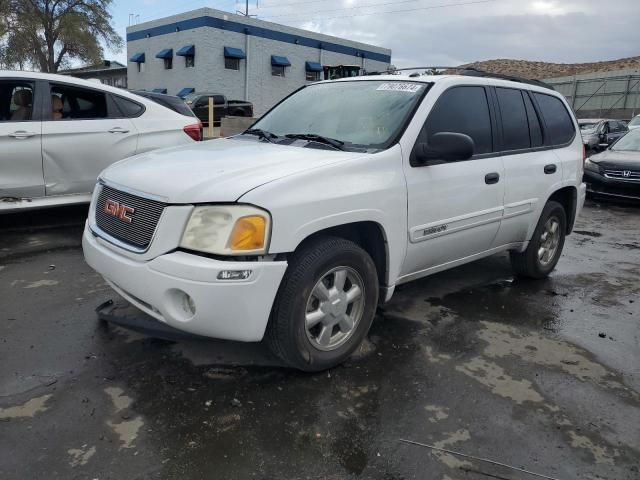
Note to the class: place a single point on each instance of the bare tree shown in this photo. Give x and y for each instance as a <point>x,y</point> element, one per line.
<point>47,34</point>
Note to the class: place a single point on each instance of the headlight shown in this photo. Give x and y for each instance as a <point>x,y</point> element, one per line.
<point>589,165</point>
<point>228,230</point>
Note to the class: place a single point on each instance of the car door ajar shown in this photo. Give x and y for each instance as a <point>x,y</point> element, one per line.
<point>88,134</point>
<point>20,140</point>
<point>454,208</point>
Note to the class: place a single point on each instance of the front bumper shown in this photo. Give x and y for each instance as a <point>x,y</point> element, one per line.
<point>226,309</point>
<point>609,187</point>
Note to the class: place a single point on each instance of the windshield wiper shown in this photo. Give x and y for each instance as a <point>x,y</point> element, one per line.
<point>312,137</point>
<point>261,134</point>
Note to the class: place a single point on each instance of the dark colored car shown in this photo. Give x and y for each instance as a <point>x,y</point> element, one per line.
<point>615,172</point>
<point>599,133</point>
<point>199,103</point>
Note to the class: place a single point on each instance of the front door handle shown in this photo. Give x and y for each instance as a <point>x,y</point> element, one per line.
<point>118,130</point>
<point>551,168</point>
<point>491,178</point>
<point>22,134</point>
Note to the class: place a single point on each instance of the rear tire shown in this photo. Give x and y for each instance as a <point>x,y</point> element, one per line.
<point>325,304</point>
<point>545,247</point>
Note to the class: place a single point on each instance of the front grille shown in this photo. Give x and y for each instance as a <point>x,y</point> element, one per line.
<point>144,217</point>
<point>623,174</point>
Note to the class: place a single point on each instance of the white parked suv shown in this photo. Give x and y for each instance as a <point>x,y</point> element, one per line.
<point>57,133</point>
<point>297,229</point>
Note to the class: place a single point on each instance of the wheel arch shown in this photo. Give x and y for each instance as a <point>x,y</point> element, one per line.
<point>367,234</point>
<point>568,198</point>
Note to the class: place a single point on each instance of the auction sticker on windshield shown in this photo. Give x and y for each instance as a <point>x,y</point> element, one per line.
<point>400,87</point>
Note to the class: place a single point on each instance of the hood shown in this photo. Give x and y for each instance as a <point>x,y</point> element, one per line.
<point>613,158</point>
<point>217,170</point>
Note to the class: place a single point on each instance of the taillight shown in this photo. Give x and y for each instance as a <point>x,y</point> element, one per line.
<point>194,131</point>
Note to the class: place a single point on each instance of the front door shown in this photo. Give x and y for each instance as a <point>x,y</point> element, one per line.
<point>20,137</point>
<point>81,136</point>
<point>454,208</point>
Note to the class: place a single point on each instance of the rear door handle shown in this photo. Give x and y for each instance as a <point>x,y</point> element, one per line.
<point>118,130</point>
<point>549,169</point>
<point>491,178</point>
<point>22,134</point>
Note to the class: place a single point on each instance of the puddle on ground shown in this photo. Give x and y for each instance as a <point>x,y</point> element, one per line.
<point>28,409</point>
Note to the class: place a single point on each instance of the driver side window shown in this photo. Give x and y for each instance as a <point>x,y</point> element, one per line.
<point>462,110</point>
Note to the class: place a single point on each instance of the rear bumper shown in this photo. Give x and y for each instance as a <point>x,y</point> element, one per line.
<point>226,309</point>
<point>608,187</point>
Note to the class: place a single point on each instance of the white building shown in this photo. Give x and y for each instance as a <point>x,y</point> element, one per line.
<point>240,57</point>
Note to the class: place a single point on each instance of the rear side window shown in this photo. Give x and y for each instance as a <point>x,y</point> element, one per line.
<point>79,103</point>
<point>535,127</point>
<point>515,126</point>
<point>16,101</point>
<point>129,108</point>
<point>462,110</point>
<point>560,129</point>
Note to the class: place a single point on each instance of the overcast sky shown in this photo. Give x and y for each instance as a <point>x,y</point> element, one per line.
<point>443,32</point>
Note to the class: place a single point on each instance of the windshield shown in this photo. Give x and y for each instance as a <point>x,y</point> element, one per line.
<point>629,143</point>
<point>588,125</point>
<point>635,121</point>
<point>191,97</point>
<point>362,114</point>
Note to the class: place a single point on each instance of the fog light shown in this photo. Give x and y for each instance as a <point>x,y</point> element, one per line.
<point>187,304</point>
<point>234,274</point>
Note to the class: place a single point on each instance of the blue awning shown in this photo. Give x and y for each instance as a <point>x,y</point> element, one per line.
<point>187,51</point>
<point>159,90</point>
<point>166,53</point>
<point>230,52</point>
<point>279,61</point>
<point>137,58</point>
<point>185,91</point>
<point>312,67</point>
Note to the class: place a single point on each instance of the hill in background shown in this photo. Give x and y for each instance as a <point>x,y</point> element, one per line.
<point>542,70</point>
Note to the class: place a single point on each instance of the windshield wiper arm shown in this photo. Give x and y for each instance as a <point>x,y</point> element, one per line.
<point>262,134</point>
<point>312,137</point>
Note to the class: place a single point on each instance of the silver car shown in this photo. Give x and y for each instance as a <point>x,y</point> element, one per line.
<point>57,133</point>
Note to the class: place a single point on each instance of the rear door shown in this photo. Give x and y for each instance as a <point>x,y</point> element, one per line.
<point>455,208</point>
<point>20,137</point>
<point>533,126</point>
<point>91,135</point>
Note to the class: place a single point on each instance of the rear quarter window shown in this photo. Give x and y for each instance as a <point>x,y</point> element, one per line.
<point>560,128</point>
<point>129,108</point>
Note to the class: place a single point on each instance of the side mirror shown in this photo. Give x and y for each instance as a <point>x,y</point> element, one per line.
<point>444,147</point>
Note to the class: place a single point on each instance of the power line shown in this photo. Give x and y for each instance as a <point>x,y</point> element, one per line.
<point>292,4</point>
<point>346,8</point>
<point>431,7</point>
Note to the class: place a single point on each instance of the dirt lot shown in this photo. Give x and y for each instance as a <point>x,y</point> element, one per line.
<point>541,375</point>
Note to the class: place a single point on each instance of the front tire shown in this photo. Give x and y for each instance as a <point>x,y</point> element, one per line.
<point>325,304</point>
<point>545,247</point>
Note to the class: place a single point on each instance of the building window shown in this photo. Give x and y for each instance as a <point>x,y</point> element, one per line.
<point>189,61</point>
<point>278,70</point>
<point>168,63</point>
<point>140,67</point>
<point>231,63</point>
<point>313,76</point>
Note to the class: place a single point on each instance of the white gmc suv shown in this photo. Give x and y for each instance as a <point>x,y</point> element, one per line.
<point>298,228</point>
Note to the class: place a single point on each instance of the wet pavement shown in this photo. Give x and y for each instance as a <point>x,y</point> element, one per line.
<point>540,375</point>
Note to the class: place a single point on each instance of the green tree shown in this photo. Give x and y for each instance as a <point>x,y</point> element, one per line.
<point>48,34</point>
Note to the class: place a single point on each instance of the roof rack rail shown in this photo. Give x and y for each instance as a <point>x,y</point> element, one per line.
<point>470,72</point>
<point>475,72</point>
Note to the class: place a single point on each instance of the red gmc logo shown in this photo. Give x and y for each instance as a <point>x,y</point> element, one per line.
<point>118,210</point>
